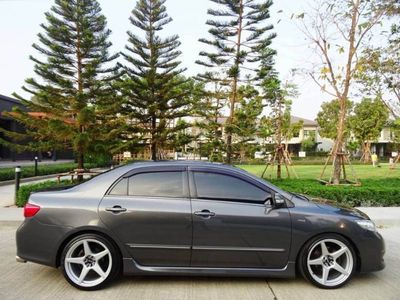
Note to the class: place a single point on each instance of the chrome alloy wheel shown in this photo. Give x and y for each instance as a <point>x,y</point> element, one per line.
<point>330,262</point>
<point>88,262</point>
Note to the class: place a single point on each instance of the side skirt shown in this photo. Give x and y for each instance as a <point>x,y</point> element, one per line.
<point>133,268</point>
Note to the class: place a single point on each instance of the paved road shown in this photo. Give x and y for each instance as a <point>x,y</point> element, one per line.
<point>20,281</point>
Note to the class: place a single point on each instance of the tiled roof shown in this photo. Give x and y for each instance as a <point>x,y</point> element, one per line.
<point>294,119</point>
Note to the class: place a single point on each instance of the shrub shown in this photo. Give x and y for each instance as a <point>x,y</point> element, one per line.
<point>373,192</point>
<point>25,190</point>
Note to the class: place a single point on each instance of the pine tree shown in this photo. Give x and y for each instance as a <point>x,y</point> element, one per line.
<point>72,82</point>
<point>239,33</point>
<point>155,93</point>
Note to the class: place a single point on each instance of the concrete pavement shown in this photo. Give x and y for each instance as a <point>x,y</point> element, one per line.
<point>19,281</point>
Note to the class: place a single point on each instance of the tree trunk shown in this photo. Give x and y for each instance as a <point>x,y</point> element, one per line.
<point>366,156</point>
<point>279,139</point>
<point>234,86</point>
<point>279,167</point>
<point>338,147</point>
<point>153,139</point>
<point>80,92</point>
<point>80,165</point>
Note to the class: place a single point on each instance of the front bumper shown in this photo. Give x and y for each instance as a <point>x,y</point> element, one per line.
<point>371,247</point>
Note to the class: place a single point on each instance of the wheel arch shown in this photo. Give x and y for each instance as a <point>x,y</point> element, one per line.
<point>87,230</point>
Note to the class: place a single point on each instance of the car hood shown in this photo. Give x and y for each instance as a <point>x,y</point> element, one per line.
<point>339,208</point>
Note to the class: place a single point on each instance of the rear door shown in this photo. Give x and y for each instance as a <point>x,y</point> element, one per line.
<point>232,227</point>
<point>150,213</point>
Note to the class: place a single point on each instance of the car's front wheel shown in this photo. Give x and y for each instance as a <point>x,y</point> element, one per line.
<point>328,261</point>
<point>89,262</point>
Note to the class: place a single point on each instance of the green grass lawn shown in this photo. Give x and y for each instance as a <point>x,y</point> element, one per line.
<point>379,186</point>
<point>314,171</point>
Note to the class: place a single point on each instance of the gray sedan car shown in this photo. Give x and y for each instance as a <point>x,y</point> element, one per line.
<point>188,218</point>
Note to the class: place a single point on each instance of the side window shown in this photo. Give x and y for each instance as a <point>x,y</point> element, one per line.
<point>219,186</point>
<point>121,188</point>
<point>158,184</point>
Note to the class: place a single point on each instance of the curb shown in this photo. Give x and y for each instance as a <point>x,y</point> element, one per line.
<point>10,223</point>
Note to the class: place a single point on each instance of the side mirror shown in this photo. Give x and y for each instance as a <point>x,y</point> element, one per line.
<point>275,202</point>
<point>279,201</point>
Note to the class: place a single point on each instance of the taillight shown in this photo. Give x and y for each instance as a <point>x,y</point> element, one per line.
<point>30,210</point>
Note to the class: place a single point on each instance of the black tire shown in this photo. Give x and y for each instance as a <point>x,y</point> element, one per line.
<point>111,261</point>
<point>349,259</point>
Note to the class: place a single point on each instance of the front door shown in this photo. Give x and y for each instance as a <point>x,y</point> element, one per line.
<point>232,227</point>
<point>150,213</point>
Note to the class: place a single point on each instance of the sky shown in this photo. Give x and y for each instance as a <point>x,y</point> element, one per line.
<point>20,23</point>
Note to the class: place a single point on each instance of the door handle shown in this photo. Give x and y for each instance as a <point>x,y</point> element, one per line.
<point>205,213</point>
<point>116,209</point>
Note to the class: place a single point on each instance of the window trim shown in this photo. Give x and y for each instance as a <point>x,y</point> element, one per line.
<point>195,195</point>
<point>186,188</point>
<point>111,188</point>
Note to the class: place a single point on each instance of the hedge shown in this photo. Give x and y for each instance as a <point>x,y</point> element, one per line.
<point>372,192</point>
<point>29,171</point>
<point>25,190</point>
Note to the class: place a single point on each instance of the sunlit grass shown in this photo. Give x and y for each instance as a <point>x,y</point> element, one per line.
<point>314,171</point>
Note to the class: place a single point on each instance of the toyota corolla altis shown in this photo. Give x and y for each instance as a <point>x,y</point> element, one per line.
<point>188,218</point>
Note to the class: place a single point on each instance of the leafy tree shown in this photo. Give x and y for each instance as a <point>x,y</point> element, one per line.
<point>339,30</point>
<point>310,142</point>
<point>72,83</point>
<point>238,34</point>
<point>178,140</point>
<point>379,75</point>
<point>265,128</point>
<point>289,130</point>
<point>328,117</point>
<point>395,130</point>
<point>210,110</point>
<point>155,94</point>
<point>245,122</point>
<point>367,122</point>
<point>278,97</point>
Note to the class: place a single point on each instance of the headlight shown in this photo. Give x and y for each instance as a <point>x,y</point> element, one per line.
<point>366,224</point>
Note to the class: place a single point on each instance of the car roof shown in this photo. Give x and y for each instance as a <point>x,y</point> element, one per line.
<point>188,163</point>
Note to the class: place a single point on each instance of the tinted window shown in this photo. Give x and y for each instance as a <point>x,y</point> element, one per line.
<point>158,184</point>
<point>218,186</point>
<point>121,188</point>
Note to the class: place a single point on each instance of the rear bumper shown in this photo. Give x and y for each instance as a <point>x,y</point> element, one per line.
<point>39,242</point>
<point>19,259</point>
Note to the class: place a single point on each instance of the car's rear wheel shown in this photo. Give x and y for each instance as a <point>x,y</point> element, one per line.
<point>89,262</point>
<point>328,261</point>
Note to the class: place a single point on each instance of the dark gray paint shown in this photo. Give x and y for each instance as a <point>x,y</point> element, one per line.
<point>164,236</point>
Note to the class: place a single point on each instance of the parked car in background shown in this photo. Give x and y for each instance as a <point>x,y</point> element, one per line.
<point>193,218</point>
